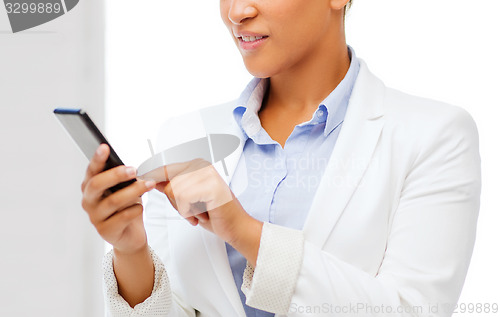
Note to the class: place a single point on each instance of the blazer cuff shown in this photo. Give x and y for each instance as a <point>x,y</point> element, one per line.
<point>158,304</point>
<point>270,286</point>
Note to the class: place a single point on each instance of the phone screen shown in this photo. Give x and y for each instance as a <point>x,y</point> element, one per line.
<point>88,137</point>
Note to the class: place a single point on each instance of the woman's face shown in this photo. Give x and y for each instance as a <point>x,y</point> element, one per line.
<point>273,36</point>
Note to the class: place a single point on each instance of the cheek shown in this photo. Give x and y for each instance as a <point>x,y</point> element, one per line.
<point>296,27</point>
<point>292,40</point>
<point>224,11</point>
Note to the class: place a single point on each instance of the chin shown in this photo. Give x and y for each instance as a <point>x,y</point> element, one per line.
<point>259,69</point>
<point>258,74</point>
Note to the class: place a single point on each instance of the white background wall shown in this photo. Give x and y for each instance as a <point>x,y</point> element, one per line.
<point>179,57</point>
<point>168,57</point>
<point>50,256</point>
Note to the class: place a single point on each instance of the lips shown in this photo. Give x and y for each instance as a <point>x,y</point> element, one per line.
<point>250,40</point>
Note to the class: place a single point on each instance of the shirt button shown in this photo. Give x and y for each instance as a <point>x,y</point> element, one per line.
<point>320,113</point>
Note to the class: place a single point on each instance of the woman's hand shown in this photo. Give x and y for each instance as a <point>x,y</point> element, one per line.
<point>118,219</point>
<point>116,216</point>
<point>197,191</point>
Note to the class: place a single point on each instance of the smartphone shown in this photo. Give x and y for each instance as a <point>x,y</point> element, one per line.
<point>88,137</point>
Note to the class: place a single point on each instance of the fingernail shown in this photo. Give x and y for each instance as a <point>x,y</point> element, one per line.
<point>99,151</point>
<point>130,171</point>
<point>150,184</point>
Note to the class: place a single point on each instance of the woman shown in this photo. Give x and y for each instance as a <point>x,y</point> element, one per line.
<point>344,197</point>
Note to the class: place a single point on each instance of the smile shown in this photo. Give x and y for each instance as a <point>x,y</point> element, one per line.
<point>251,43</point>
<point>251,38</point>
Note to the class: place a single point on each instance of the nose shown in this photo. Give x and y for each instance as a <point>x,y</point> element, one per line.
<point>241,10</point>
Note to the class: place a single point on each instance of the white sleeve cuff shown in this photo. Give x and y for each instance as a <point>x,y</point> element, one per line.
<point>158,304</point>
<point>270,286</point>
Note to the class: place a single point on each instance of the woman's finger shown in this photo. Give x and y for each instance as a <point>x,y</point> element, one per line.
<point>98,184</point>
<point>115,225</point>
<point>96,164</point>
<point>202,217</point>
<point>192,220</point>
<point>168,191</point>
<point>120,200</point>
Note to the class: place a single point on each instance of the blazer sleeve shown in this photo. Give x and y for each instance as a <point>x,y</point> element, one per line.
<point>428,249</point>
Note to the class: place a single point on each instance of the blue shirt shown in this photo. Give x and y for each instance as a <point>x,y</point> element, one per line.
<point>282,181</point>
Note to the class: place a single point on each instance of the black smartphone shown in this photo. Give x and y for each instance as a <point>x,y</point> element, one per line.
<point>88,137</point>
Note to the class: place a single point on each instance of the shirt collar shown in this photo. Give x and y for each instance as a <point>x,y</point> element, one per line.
<point>332,109</point>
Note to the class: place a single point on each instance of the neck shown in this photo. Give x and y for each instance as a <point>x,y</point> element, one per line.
<point>301,88</point>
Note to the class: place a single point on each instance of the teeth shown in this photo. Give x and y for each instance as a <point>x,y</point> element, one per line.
<point>251,38</point>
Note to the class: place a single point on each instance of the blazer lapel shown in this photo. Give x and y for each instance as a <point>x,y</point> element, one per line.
<point>216,249</point>
<point>219,120</point>
<point>351,156</point>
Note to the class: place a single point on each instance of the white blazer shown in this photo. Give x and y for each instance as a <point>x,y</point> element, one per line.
<point>392,223</point>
